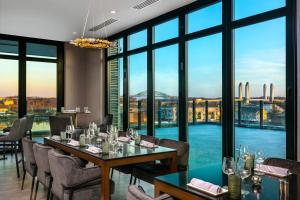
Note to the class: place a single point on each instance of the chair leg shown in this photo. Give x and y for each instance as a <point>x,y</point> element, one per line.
<point>22,156</point>
<point>49,188</point>
<point>16,156</point>
<point>30,134</point>
<point>36,189</point>
<point>130,182</point>
<point>32,186</point>
<point>24,175</point>
<point>134,182</point>
<point>51,196</point>
<point>111,173</point>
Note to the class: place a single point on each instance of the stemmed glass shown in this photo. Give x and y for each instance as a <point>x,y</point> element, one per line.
<point>260,156</point>
<point>129,133</point>
<point>228,165</point>
<point>68,132</point>
<point>243,172</point>
<point>243,152</point>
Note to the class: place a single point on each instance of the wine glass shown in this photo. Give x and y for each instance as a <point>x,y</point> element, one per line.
<point>243,152</point>
<point>260,157</point>
<point>68,131</point>
<point>129,133</point>
<point>228,165</point>
<point>243,172</point>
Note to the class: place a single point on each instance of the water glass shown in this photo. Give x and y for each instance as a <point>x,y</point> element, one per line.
<point>228,165</point>
<point>243,152</point>
<point>260,157</point>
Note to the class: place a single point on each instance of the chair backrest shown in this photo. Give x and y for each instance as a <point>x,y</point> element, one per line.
<point>108,119</point>
<point>62,169</point>
<point>29,122</point>
<point>17,131</point>
<point>28,153</point>
<point>72,115</point>
<point>41,158</point>
<point>137,193</point>
<point>182,148</point>
<point>58,124</point>
<point>292,165</point>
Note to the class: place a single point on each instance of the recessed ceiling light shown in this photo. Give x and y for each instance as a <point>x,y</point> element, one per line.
<point>74,33</point>
<point>113,12</point>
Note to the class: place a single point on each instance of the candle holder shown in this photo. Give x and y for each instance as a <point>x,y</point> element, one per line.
<point>234,186</point>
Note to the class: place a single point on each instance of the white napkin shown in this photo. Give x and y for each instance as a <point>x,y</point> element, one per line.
<point>272,169</point>
<point>74,143</point>
<point>144,143</point>
<point>123,139</point>
<point>206,186</point>
<point>94,149</point>
<point>56,137</point>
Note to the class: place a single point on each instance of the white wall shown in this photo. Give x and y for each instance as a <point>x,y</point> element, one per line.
<point>84,82</point>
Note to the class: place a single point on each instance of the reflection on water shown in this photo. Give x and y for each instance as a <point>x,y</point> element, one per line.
<point>206,142</point>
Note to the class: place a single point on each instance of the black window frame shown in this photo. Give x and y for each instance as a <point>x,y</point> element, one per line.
<point>226,28</point>
<point>22,58</point>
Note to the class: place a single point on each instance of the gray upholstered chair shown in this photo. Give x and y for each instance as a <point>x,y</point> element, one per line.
<point>58,124</point>
<point>30,163</point>
<point>43,168</point>
<point>29,124</point>
<point>16,133</point>
<point>71,180</point>
<point>292,165</point>
<point>128,169</point>
<point>137,193</point>
<point>108,119</point>
<point>148,171</point>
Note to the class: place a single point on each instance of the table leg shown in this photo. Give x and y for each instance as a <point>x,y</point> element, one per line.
<point>174,164</point>
<point>105,183</point>
<point>157,191</point>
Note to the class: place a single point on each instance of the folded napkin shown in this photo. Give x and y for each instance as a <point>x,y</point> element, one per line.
<point>206,186</point>
<point>144,143</point>
<point>123,139</point>
<point>272,169</point>
<point>56,137</point>
<point>74,143</point>
<point>103,135</point>
<point>94,149</point>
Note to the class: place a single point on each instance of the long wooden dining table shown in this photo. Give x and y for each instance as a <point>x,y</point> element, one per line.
<point>128,154</point>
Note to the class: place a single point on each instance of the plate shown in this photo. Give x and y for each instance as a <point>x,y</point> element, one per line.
<point>224,191</point>
<point>272,174</point>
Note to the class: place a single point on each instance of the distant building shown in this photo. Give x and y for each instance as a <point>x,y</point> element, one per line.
<point>272,92</point>
<point>247,93</point>
<point>241,91</point>
<point>265,92</point>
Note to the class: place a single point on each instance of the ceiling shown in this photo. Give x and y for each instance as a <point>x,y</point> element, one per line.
<point>63,20</point>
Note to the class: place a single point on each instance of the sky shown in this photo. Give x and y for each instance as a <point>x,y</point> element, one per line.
<point>259,57</point>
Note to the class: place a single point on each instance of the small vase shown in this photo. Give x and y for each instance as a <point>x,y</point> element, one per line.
<point>234,186</point>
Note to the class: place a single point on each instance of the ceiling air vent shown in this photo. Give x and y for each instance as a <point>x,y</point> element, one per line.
<point>144,4</point>
<point>102,25</point>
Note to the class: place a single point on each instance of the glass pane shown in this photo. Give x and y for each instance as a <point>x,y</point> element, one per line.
<point>115,91</point>
<point>246,8</point>
<point>260,87</point>
<point>8,47</point>
<point>41,93</point>
<point>205,98</point>
<point>117,49</point>
<point>166,30</point>
<point>41,51</point>
<point>137,40</point>
<point>138,92</point>
<point>8,92</point>
<point>166,92</point>
<point>204,18</point>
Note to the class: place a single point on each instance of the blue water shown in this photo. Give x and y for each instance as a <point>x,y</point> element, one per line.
<point>206,142</point>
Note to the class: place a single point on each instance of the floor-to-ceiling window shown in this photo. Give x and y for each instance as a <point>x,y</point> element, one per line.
<point>41,90</point>
<point>196,56</point>
<point>166,92</point>
<point>260,87</point>
<point>138,92</point>
<point>38,65</point>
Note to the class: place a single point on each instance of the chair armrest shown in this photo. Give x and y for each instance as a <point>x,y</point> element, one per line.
<point>85,175</point>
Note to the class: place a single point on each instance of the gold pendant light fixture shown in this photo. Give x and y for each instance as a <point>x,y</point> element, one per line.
<point>91,42</point>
